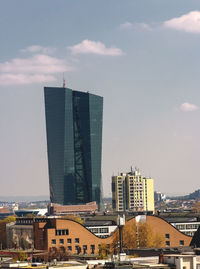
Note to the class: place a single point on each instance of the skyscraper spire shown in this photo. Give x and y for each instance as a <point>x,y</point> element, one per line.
<point>63,81</point>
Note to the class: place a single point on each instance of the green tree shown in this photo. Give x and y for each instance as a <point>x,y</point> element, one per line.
<point>10,219</point>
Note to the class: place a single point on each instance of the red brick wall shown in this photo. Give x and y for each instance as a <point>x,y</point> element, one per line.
<point>75,229</point>
<point>44,235</point>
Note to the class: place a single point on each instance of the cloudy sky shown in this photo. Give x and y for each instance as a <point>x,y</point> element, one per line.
<point>142,56</point>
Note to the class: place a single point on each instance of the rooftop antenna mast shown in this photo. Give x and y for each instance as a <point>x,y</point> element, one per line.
<point>63,81</point>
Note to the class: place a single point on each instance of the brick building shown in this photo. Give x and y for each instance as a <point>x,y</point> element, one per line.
<point>65,234</point>
<point>88,208</point>
<point>60,234</point>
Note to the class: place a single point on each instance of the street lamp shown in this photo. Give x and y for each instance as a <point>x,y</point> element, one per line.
<point>120,224</point>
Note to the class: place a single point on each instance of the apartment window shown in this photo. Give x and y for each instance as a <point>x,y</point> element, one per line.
<point>167,243</point>
<point>181,242</point>
<point>69,248</point>
<point>77,240</point>
<point>53,241</point>
<point>167,236</point>
<point>69,241</point>
<point>61,241</point>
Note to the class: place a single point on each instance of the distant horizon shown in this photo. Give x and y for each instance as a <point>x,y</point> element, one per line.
<point>28,198</point>
<point>24,198</point>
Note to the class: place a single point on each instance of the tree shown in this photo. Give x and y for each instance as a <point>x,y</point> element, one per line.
<point>59,254</point>
<point>75,218</point>
<point>10,219</point>
<point>196,207</point>
<point>137,235</point>
<point>3,243</point>
<point>148,238</point>
<point>103,251</point>
<point>128,235</point>
<point>22,256</point>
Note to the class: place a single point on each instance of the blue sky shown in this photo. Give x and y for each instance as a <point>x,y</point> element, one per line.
<point>141,56</point>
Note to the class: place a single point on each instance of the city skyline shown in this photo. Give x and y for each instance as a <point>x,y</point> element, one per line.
<point>142,57</point>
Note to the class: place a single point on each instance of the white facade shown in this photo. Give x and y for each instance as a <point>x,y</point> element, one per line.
<point>181,261</point>
<point>102,231</point>
<point>188,228</point>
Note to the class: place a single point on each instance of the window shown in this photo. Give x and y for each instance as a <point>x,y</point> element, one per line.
<point>92,247</point>
<point>53,241</point>
<point>181,242</point>
<point>69,241</point>
<point>78,249</point>
<point>167,236</point>
<point>69,248</point>
<point>62,249</point>
<point>84,249</point>
<point>61,241</point>
<point>62,232</point>
<point>167,243</point>
<point>77,240</point>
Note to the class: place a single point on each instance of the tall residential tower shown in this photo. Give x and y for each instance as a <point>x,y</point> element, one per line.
<point>132,192</point>
<point>74,145</point>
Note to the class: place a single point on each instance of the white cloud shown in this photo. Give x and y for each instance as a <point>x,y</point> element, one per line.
<point>20,79</point>
<point>38,68</point>
<point>93,47</point>
<point>187,107</point>
<point>189,22</point>
<point>134,26</point>
<point>38,63</point>
<point>37,48</point>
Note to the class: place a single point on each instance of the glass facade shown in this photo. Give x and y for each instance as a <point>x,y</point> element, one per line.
<point>74,145</point>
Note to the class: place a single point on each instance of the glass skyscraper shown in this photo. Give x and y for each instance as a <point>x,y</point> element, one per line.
<point>74,145</point>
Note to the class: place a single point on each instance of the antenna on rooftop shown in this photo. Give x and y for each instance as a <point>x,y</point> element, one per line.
<point>63,81</point>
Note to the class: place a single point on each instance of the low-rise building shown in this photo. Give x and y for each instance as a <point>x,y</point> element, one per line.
<point>88,208</point>
<point>181,261</point>
<point>64,234</point>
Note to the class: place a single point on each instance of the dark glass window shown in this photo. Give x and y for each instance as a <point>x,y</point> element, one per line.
<point>62,232</point>
<point>61,241</point>
<point>69,241</point>
<point>92,247</point>
<point>53,241</point>
<point>77,240</point>
<point>84,249</point>
<point>167,236</point>
<point>78,249</point>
